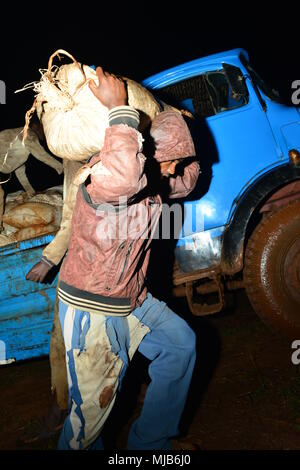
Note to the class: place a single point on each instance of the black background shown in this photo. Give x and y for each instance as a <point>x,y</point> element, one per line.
<point>138,46</point>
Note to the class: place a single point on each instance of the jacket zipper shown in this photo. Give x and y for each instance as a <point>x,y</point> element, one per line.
<point>125,262</point>
<point>138,282</point>
<point>111,264</point>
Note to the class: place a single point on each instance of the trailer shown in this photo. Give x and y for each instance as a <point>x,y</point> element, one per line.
<point>26,308</point>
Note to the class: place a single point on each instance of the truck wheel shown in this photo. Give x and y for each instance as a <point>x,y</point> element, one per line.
<point>272,270</point>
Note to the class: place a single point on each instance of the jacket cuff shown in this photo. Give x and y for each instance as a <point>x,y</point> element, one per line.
<point>47,261</point>
<point>124,115</point>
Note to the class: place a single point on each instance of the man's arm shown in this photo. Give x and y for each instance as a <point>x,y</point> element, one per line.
<point>121,170</point>
<point>183,185</point>
<point>120,173</point>
<point>55,251</point>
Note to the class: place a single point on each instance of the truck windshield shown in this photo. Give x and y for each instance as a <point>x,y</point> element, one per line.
<point>271,93</point>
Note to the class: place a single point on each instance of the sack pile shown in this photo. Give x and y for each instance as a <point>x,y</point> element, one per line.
<point>74,120</point>
<point>28,217</point>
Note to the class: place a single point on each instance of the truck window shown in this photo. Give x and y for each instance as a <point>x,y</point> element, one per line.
<point>191,94</point>
<point>204,95</point>
<point>223,97</point>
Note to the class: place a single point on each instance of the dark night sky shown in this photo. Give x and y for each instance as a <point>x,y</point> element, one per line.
<point>138,48</point>
<point>144,48</point>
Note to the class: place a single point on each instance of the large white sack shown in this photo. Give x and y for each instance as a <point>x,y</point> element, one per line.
<point>74,120</point>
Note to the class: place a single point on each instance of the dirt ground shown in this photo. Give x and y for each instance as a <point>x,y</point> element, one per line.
<point>244,393</point>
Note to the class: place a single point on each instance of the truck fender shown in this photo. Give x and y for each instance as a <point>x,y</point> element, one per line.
<point>252,201</point>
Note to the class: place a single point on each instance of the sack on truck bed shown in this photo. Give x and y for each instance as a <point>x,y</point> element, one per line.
<point>32,232</point>
<point>29,214</point>
<point>73,119</point>
<point>28,217</point>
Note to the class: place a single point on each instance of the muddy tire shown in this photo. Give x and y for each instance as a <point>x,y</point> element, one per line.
<point>272,270</point>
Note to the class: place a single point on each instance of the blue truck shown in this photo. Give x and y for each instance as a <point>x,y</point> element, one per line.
<point>248,198</point>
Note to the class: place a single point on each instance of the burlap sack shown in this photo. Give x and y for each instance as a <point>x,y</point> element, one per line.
<point>32,232</point>
<point>36,211</point>
<point>29,214</point>
<point>74,120</point>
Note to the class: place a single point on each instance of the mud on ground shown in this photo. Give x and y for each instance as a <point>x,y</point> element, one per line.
<point>244,393</point>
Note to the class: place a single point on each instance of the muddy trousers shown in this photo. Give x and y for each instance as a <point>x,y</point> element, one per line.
<point>98,351</point>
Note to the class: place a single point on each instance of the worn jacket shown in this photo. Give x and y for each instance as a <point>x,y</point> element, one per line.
<point>114,217</point>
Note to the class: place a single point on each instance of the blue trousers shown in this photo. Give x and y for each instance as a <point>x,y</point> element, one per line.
<point>98,351</point>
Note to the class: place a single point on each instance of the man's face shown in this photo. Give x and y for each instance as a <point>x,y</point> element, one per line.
<point>168,168</point>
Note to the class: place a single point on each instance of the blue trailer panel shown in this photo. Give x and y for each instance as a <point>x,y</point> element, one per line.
<point>26,308</point>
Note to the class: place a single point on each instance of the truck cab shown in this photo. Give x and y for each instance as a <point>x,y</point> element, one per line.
<point>242,222</point>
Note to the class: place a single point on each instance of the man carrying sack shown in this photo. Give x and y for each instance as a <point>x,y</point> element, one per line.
<point>105,311</point>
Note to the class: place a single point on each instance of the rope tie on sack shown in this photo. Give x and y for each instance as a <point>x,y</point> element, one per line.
<point>51,89</point>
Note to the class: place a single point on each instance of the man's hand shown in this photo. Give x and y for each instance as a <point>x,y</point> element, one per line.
<point>111,90</point>
<point>38,272</point>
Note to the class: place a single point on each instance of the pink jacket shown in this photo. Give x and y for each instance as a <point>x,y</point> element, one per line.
<point>105,267</point>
